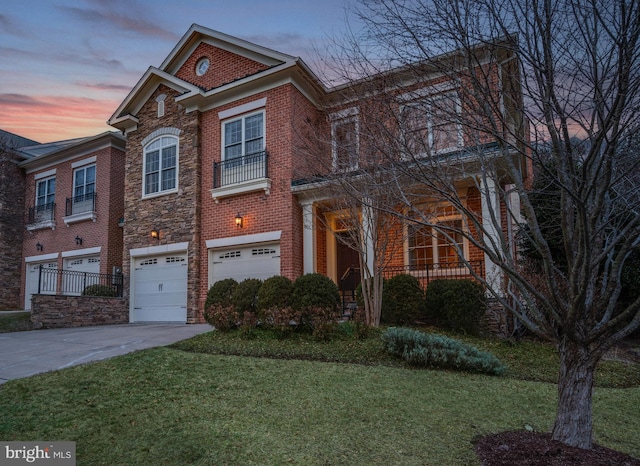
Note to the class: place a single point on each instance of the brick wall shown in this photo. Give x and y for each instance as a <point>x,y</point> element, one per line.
<point>11,228</point>
<point>224,67</point>
<point>104,232</point>
<point>77,311</point>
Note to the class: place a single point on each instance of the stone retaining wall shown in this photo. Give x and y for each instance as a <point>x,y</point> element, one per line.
<point>54,311</point>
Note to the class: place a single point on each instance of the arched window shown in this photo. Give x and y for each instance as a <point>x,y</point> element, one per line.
<point>160,166</point>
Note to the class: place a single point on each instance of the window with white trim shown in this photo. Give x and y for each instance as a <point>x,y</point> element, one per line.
<point>161,166</point>
<point>345,142</point>
<point>439,243</point>
<point>45,194</point>
<point>243,136</point>
<point>432,125</point>
<point>84,183</point>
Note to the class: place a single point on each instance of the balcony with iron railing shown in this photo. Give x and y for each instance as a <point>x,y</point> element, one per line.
<point>241,175</point>
<point>42,216</point>
<point>79,208</point>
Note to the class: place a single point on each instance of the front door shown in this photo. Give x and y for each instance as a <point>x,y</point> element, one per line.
<point>347,263</point>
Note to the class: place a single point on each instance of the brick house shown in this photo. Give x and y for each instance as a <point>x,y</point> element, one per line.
<point>72,210</point>
<point>214,185</point>
<point>11,217</point>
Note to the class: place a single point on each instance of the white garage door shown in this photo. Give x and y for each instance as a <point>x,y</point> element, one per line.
<point>160,289</point>
<point>84,272</point>
<point>48,282</point>
<point>257,261</point>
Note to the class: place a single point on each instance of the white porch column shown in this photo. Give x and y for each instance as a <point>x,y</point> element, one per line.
<point>491,224</point>
<point>308,236</point>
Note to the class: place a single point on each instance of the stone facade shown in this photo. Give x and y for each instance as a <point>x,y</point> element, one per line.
<point>12,187</point>
<point>176,215</point>
<point>77,311</point>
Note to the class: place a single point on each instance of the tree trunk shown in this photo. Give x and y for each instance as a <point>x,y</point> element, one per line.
<point>574,417</point>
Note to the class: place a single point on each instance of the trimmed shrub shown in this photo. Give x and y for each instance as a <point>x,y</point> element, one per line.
<point>275,292</point>
<point>221,317</point>
<point>402,300</point>
<point>221,293</point>
<point>282,320</point>
<point>314,290</point>
<point>458,305</point>
<point>323,322</point>
<point>245,296</point>
<point>426,350</point>
<point>100,290</point>
<point>218,307</point>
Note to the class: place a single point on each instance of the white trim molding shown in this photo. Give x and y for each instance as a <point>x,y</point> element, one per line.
<point>245,239</point>
<point>165,248</point>
<point>82,252</point>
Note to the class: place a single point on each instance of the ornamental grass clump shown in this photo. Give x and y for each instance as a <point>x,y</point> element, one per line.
<point>426,350</point>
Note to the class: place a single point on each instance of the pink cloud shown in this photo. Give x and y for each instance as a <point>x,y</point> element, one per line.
<point>52,118</point>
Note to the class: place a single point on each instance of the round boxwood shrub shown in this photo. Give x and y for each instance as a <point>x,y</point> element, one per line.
<point>402,300</point>
<point>458,305</point>
<point>275,292</point>
<point>314,290</point>
<point>221,293</point>
<point>245,295</point>
<point>99,290</point>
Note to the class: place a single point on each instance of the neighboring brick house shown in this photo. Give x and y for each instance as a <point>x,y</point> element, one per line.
<point>212,165</point>
<point>11,217</point>
<point>72,210</point>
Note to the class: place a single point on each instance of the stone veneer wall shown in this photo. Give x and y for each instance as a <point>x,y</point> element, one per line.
<point>176,215</point>
<point>12,227</point>
<point>53,311</point>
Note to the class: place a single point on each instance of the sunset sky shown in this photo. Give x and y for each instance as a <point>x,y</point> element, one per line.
<point>66,65</point>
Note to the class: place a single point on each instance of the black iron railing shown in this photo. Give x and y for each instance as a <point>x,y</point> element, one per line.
<point>350,280</point>
<point>80,204</point>
<point>74,283</point>
<point>240,169</point>
<point>448,270</point>
<point>42,213</point>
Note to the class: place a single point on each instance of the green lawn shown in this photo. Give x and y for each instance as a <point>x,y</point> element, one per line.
<point>167,406</point>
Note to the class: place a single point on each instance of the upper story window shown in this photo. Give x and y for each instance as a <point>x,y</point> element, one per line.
<point>160,101</point>
<point>161,166</point>
<point>84,183</point>
<point>243,136</point>
<point>432,125</point>
<point>345,140</point>
<point>42,214</point>
<point>45,194</point>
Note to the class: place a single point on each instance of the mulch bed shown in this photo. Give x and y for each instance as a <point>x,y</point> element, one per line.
<point>524,448</point>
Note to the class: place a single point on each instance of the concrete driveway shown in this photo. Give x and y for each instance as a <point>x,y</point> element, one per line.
<point>26,353</point>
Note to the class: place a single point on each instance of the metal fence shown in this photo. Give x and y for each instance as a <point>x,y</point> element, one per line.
<point>80,204</point>
<point>449,271</point>
<point>240,169</point>
<point>73,283</point>
<point>42,213</point>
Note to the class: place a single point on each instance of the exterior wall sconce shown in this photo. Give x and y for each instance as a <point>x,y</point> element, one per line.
<point>78,241</point>
<point>155,234</point>
<point>39,247</point>
<point>239,221</point>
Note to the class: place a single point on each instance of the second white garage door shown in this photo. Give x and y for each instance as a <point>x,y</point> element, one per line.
<point>160,289</point>
<point>257,261</point>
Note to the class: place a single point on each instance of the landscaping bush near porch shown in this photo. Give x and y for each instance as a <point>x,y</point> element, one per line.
<point>457,305</point>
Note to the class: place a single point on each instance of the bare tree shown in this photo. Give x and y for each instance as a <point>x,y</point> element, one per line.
<point>513,82</point>
<point>354,197</point>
